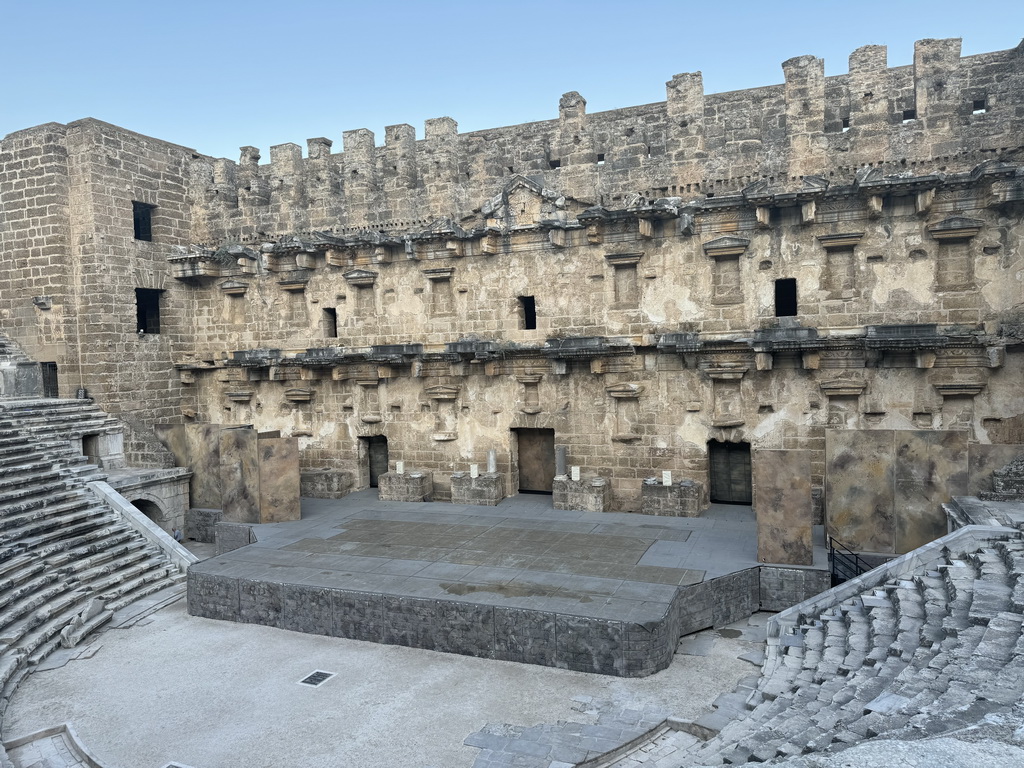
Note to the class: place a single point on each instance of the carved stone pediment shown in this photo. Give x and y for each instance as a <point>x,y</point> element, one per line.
<point>842,387</point>
<point>625,390</point>
<point>361,277</point>
<point>442,392</point>
<point>956,228</point>
<point>725,247</point>
<point>840,241</point>
<point>234,287</point>
<point>298,395</point>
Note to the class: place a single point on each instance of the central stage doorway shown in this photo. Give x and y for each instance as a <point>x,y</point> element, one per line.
<point>376,457</point>
<point>536,459</point>
<point>729,470</point>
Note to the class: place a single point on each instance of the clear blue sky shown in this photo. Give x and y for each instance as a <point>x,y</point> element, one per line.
<point>216,75</point>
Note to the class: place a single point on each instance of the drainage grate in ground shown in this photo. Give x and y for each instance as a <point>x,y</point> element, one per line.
<point>316,678</point>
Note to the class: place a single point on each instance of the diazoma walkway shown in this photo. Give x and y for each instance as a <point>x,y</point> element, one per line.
<point>593,592</point>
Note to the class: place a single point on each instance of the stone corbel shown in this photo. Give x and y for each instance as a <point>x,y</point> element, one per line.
<point>874,206</point>
<point>646,228</point>
<point>490,244</point>
<point>595,233</point>
<point>558,238</point>
<point>923,201</point>
<point>764,216</point>
<point>763,361</point>
<point>808,210</point>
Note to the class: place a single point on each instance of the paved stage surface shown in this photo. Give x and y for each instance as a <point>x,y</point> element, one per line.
<point>521,553</point>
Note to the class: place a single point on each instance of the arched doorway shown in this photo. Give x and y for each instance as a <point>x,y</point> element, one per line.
<point>729,472</point>
<point>149,509</point>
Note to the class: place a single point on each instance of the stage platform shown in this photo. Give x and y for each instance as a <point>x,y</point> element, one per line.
<point>595,592</point>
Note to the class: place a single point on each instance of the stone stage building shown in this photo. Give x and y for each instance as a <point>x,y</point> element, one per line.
<point>807,295</point>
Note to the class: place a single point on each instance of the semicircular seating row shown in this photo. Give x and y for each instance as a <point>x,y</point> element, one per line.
<point>923,653</point>
<point>67,560</point>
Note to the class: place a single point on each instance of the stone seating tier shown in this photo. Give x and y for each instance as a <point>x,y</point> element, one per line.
<point>911,656</point>
<point>67,559</point>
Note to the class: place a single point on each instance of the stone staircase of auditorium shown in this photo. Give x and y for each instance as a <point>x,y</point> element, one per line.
<point>909,658</point>
<point>67,560</point>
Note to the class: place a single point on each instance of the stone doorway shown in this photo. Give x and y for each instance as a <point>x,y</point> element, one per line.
<point>536,459</point>
<point>376,457</point>
<point>729,471</point>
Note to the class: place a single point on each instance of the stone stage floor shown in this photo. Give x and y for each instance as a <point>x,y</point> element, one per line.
<point>601,592</point>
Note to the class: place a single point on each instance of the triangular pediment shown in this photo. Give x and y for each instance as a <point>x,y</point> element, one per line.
<point>524,202</point>
<point>360,277</point>
<point>726,246</point>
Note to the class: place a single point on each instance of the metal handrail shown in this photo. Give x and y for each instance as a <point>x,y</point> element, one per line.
<point>845,563</point>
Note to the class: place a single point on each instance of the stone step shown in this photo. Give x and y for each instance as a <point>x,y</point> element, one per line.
<point>13,592</point>
<point>36,489</point>
<point>37,503</point>
<point>109,537</point>
<point>46,511</point>
<point>143,586</point>
<point>30,532</point>
<point>92,523</point>
<point>34,610</point>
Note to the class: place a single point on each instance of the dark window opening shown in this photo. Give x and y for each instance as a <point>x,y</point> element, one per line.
<point>785,297</point>
<point>600,158</point>
<point>554,164</point>
<point>330,322</point>
<point>846,124</point>
<point>529,312</point>
<point>147,310</point>
<point>909,114</point>
<point>49,372</point>
<point>142,218</point>
<point>979,107</point>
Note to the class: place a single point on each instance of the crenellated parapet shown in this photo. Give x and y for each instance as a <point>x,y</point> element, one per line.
<point>943,114</point>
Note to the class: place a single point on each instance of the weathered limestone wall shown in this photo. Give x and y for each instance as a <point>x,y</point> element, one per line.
<point>762,267</point>
<point>689,145</point>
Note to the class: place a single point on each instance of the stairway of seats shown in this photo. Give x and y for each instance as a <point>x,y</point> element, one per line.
<point>911,658</point>
<point>67,560</point>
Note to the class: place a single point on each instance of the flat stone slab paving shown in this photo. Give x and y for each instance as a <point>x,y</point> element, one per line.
<point>599,592</point>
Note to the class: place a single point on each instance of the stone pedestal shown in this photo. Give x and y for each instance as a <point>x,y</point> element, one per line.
<point>325,483</point>
<point>486,489</point>
<point>680,499</point>
<point>590,494</point>
<point>411,486</point>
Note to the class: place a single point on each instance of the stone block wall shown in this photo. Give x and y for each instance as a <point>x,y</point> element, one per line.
<point>411,486</point>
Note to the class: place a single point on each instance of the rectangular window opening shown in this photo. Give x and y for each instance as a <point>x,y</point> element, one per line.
<point>785,297</point>
<point>846,124</point>
<point>909,114</point>
<point>330,322</point>
<point>600,158</point>
<point>147,310</point>
<point>142,218</point>
<point>528,312</point>
<point>554,164</point>
<point>979,107</point>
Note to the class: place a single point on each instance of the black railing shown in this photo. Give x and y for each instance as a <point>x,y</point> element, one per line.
<point>844,563</point>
